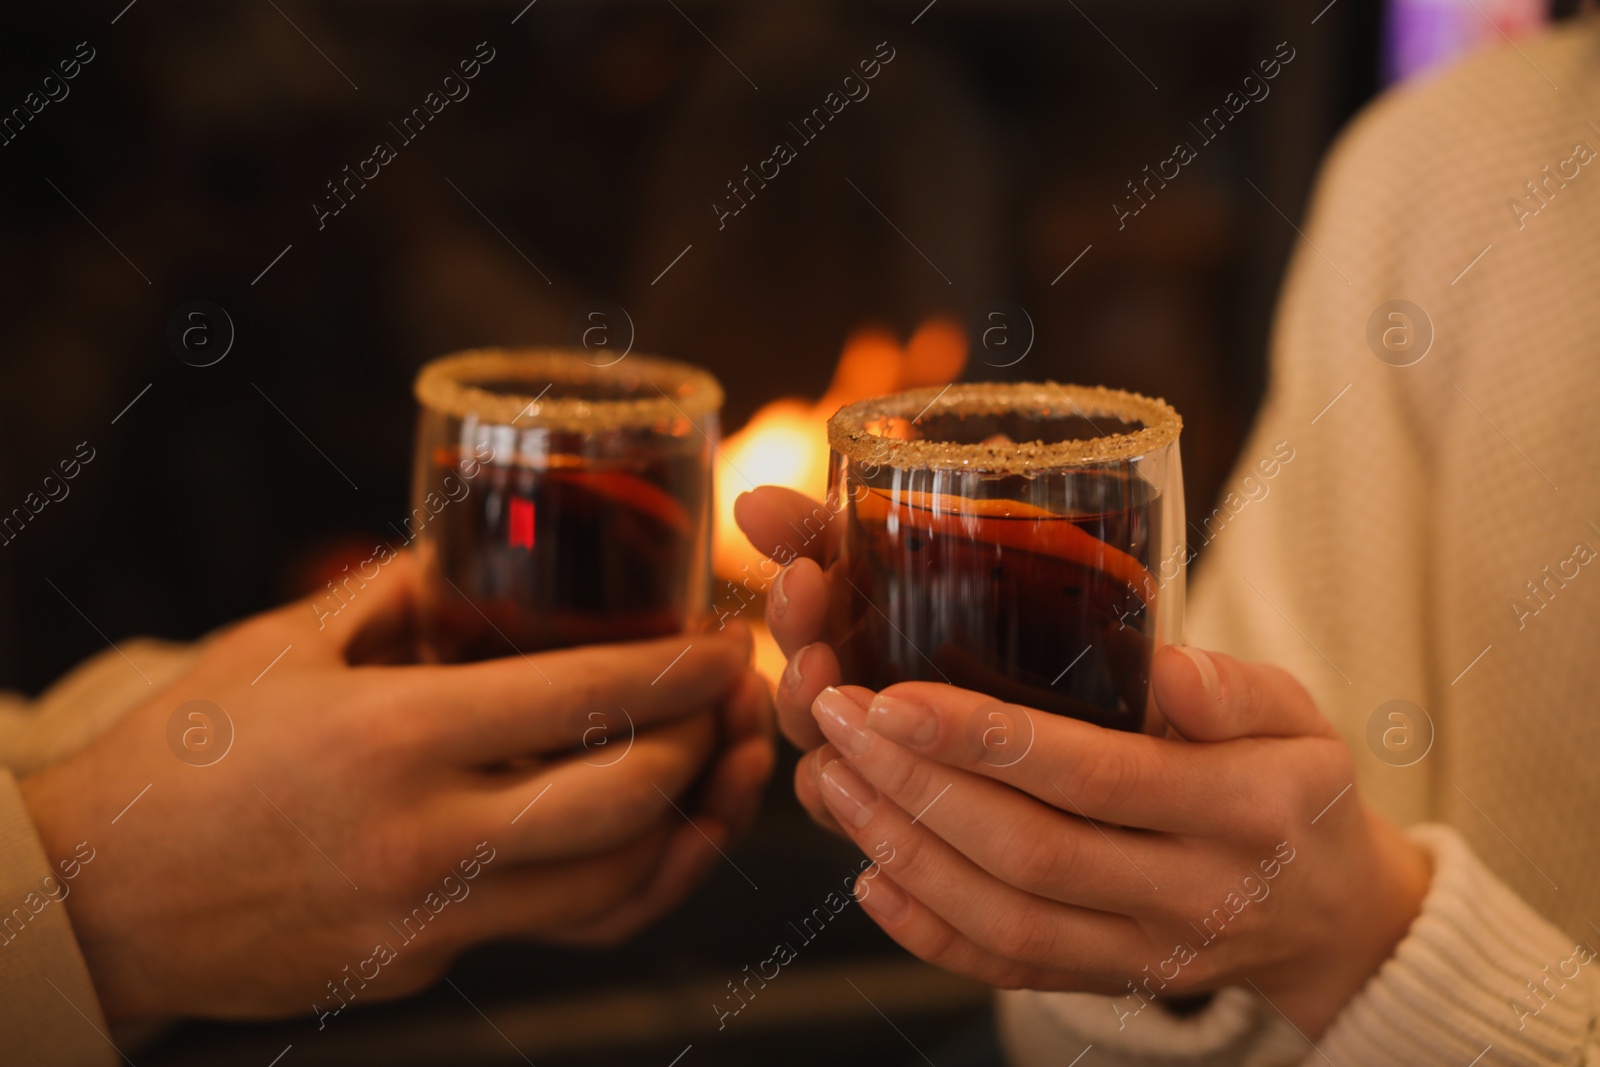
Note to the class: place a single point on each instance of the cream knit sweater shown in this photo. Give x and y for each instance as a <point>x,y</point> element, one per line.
<point>1434,540</point>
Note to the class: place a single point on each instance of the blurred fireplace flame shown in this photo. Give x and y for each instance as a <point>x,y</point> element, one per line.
<point>786,441</point>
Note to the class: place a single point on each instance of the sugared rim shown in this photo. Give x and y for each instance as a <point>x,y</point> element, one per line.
<point>848,432</point>
<point>667,389</point>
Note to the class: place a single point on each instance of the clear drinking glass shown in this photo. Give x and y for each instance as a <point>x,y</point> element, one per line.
<point>560,503</point>
<point>1023,540</point>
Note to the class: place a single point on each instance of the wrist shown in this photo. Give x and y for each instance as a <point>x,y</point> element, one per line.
<point>48,796</point>
<point>1396,876</point>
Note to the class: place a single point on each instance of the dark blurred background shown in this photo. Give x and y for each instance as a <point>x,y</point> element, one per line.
<point>587,156</point>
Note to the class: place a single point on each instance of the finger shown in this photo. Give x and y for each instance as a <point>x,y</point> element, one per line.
<point>1112,776</point>
<point>1209,696</point>
<point>810,670</point>
<point>592,802</point>
<point>918,930</point>
<point>732,793</point>
<point>797,607</point>
<point>747,711</point>
<point>1009,834</point>
<point>785,524</point>
<point>688,859</point>
<point>997,917</point>
<point>544,900</point>
<point>808,791</point>
<point>367,606</point>
<point>375,619</point>
<point>551,701</point>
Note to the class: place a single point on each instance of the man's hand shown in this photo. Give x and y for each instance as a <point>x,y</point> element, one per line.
<point>1038,851</point>
<point>357,796</point>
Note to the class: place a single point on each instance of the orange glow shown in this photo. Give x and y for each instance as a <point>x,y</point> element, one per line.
<point>786,441</point>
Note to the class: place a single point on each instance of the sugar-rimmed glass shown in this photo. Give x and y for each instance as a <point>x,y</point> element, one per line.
<point>559,503</point>
<point>1024,540</point>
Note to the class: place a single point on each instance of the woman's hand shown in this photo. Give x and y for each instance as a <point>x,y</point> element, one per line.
<point>1031,850</point>
<point>773,519</point>
<point>374,820</point>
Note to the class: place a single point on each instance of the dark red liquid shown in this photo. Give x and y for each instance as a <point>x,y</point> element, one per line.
<point>1052,611</point>
<point>568,554</point>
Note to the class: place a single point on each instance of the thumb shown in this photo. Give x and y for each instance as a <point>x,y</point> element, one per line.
<point>371,608</point>
<point>1210,696</point>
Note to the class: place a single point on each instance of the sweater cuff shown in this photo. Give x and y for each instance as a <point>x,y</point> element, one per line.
<point>1479,967</point>
<point>49,1015</point>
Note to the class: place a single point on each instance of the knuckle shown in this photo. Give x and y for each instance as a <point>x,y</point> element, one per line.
<point>912,860</point>
<point>937,944</point>
<point>1116,777</point>
<point>904,776</point>
<point>384,728</point>
<point>373,724</point>
<point>1039,862</point>
<point>1322,770</point>
<point>1024,936</point>
<point>1332,770</point>
<point>1268,808</point>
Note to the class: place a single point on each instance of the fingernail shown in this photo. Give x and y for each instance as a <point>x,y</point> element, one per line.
<point>883,898</point>
<point>1209,679</point>
<point>905,721</point>
<point>791,673</point>
<point>777,599</point>
<point>820,758</point>
<point>847,794</point>
<point>841,718</point>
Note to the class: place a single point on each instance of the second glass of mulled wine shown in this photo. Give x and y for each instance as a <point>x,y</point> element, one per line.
<point>559,502</point>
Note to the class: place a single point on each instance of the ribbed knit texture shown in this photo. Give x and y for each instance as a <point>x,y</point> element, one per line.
<point>1386,561</point>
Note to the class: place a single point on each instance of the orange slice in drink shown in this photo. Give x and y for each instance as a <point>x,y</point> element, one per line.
<point>634,492</point>
<point>1011,523</point>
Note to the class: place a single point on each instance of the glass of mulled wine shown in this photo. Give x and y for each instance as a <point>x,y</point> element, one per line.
<point>560,503</point>
<point>1022,540</point>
